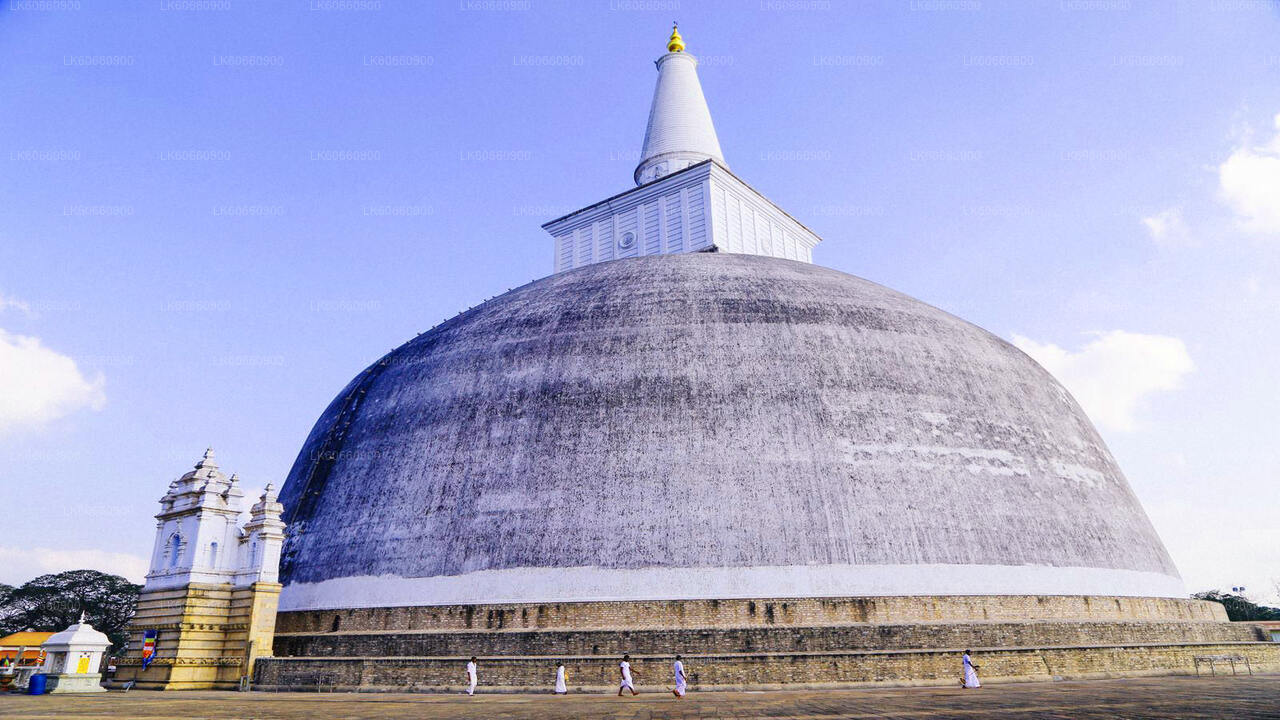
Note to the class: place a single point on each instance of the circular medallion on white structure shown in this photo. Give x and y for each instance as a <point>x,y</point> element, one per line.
<point>627,241</point>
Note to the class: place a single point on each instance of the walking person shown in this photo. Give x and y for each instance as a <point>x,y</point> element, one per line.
<point>471,676</point>
<point>624,669</point>
<point>562,677</point>
<point>970,673</point>
<point>681,681</point>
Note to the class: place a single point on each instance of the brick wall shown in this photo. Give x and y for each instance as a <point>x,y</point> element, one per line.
<point>757,643</point>
<point>756,639</point>
<point>762,670</point>
<point>637,615</point>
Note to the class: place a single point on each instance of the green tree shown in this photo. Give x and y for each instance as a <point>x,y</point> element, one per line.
<point>52,602</point>
<point>1238,607</point>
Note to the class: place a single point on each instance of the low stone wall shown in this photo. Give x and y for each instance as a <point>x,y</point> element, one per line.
<point>756,639</point>
<point>812,612</point>
<point>760,670</point>
<point>754,643</point>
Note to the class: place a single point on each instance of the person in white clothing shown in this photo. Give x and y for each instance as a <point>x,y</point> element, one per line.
<point>970,673</point>
<point>624,669</point>
<point>471,676</point>
<point>561,678</point>
<point>681,681</point>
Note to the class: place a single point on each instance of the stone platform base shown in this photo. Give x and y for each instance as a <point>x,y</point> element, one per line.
<point>208,636</point>
<point>74,683</point>
<point>762,643</point>
<point>752,670</point>
<point>735,613</point>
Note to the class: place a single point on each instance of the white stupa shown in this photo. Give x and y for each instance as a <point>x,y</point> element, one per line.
<point>73,658</point>
<point>691,438</point>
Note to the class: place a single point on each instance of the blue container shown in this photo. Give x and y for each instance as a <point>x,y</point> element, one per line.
<point>36,685</point>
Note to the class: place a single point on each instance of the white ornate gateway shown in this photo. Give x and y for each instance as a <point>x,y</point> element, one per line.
<point>199,538</point>
<point>208,609</point>
<point>687,200</point>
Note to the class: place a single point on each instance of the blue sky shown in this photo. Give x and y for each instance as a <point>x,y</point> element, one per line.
<point>213,214</point>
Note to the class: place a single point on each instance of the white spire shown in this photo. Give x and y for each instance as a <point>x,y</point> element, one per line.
<point>680,132</point>
<point>684,202</point>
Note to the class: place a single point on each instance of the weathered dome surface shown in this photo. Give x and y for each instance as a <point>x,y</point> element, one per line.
<point>707,426</point>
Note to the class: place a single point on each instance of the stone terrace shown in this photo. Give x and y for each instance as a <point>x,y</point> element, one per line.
<point>768,643</point>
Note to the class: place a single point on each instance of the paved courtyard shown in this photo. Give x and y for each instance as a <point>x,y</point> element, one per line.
<point>1237,698</point>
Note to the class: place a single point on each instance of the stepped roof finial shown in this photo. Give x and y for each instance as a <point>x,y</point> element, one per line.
<point>207,460</point>
<point>675,43</point>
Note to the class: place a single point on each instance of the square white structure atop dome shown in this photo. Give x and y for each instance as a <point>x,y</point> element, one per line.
<point>702,208</point>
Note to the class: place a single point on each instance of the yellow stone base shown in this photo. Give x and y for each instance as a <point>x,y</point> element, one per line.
<point>208,636</point>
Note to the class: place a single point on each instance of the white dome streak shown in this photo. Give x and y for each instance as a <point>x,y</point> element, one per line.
<point>597,584</point>
<point>680,132</point>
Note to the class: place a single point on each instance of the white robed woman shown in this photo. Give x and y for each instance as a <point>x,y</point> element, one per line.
<point>970,673</point>
<point>681,681</point>
<point>562,677</point>
<point>624,670</point>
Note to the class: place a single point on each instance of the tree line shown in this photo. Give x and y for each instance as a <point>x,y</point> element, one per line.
<point>50,603</point>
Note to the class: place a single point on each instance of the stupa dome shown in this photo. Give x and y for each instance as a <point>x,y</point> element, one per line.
<point>707,425</point>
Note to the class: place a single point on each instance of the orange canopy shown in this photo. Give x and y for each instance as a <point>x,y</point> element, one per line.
<point>24,639</point>
<point>30,640</point>
<point>28,657</point>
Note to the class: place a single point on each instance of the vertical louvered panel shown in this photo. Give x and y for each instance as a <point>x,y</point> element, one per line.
<point>749,240</point>
<point>652,229</point>
<point>675,225</point>
<point>604,240</point>
<point>718,219</point>
<point>735,223</point>
<point>697,218</point>
<point>564,252</point>
<point>584,245</point>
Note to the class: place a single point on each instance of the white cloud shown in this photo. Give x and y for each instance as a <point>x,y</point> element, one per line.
<point>10,302</point>
<point>1252,286</point>
<point>1167,227</point>
<point>38,385</point>
<point>1112,374</point>
<point>1249,182</point>
<point>22,564</point>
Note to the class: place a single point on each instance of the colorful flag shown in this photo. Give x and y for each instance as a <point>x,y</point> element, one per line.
<point>148,647</point>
